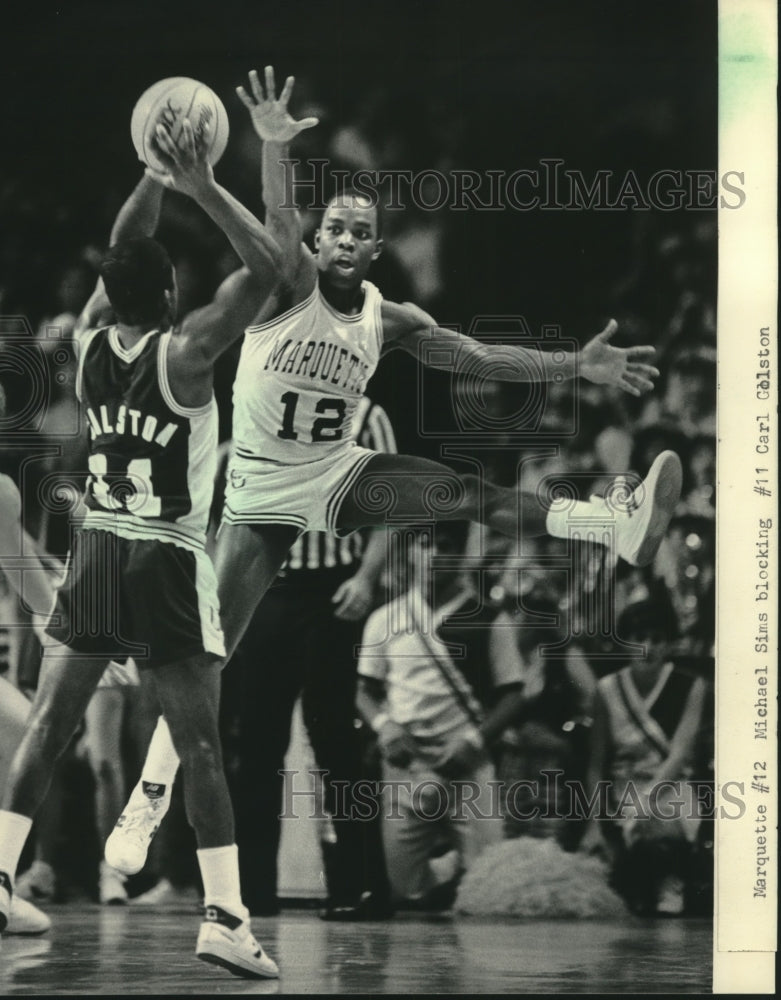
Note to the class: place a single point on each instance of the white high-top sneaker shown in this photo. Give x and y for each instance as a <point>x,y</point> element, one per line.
<point>128,843</point>
<point>641,520</point>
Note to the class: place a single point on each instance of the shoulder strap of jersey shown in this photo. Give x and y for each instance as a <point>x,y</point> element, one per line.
<point>373,307</point>
<point>85,343</point>
<point>165,386</point>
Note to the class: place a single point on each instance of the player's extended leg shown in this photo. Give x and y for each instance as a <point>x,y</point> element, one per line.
<point>247,558</point>
<point>65,686</point>
<point>189,696</point>
<point>405,489</point>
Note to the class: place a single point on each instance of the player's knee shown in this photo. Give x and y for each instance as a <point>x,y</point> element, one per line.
<point>199,753</point>
<point>105,770</point>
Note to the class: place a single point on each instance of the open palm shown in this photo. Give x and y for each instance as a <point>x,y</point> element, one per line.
<point>269,115</point>
<point>623,367</point>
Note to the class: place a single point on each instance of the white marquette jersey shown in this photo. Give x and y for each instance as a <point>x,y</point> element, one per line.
<point>300,379</point>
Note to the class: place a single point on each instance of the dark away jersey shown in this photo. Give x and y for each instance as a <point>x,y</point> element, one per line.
<point>152,462</point>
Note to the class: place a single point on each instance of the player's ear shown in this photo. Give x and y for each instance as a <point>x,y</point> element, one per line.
<point>317,239</point>
<point>378,248</point>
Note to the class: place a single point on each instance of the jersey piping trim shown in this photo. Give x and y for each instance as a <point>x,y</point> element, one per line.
<point>230,517</point>
<point>122,353</point>
<point>241,453</point>
<point>285,315</point>
<point>190,412</point>
<point>84,347</point>
<point>134,529</point>
<point>367,289</point>
<point>334,505</point>
<point>378,320</point>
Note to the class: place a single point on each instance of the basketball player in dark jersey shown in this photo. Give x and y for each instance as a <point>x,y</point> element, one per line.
<point>139,581</point>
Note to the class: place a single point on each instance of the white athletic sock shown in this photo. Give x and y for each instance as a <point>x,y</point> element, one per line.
<point>573,514</point>
<point>220,874</point>
<point>162,761</point>
<point>14,829</point>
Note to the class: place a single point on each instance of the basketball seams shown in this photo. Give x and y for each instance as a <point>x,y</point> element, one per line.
<point>155,102</point>
<point>199,94</point>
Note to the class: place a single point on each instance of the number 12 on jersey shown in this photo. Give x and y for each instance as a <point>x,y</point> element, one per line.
<point>324,428</point>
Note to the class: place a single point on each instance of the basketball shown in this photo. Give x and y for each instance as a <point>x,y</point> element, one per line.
<point>168,102</point>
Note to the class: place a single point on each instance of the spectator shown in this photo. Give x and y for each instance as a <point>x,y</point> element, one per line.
<point>550,732</point>
<point>646,731</point>
<point>436,714</point>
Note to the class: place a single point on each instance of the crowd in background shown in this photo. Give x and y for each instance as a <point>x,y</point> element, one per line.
<point>658,280</point>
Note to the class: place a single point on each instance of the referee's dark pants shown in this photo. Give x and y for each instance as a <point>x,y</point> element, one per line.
<point>295,645</point>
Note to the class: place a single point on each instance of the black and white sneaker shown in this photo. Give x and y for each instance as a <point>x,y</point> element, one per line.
<point>226,940</point>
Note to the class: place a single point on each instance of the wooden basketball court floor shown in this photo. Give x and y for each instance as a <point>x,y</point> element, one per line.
<point>126,950</point>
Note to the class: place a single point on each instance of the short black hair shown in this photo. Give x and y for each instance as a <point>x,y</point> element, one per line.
<point>647,619</point>
<point>349,192</point>
<point>137,273</point>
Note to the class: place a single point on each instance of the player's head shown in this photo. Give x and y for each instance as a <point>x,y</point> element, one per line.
<point>139,279</point>
<point>348,239</point>
<point>651,623</point>
<point>437,556</point>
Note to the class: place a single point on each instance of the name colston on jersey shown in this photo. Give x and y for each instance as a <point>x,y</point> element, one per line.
<point>121,419</point>
<point>318,358</point>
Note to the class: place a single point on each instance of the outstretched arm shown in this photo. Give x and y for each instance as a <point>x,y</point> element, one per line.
<point>410,328</point>
<point>189,171</point>
<point>205,333</point>
<point>277,129</point>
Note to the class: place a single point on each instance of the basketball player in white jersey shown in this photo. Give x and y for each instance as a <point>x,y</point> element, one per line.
<point>303,370</point>
<point>139,581</point>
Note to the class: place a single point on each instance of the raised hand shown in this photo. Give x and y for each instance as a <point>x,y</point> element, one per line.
<point>187,168</point>
<point>623,367</point>
<point>269,115</point>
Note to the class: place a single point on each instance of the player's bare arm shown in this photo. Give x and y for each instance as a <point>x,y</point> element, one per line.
<point>277,129</point>
<point>138,216</point>
<point>205,333</point>
<point>410,328</point>
<point>189,171</point>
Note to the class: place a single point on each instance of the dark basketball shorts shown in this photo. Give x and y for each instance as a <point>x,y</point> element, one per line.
<point>150,600</point>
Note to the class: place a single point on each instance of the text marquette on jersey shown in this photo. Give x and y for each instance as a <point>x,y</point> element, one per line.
<point>319,358</point>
